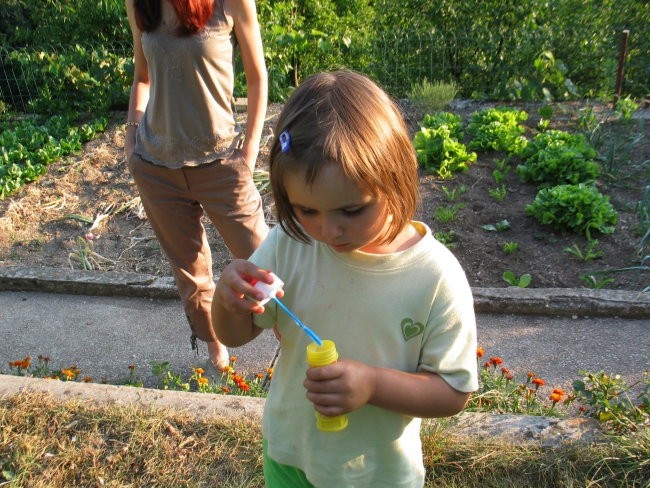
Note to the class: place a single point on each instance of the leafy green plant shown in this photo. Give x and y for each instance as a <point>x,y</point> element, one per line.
<point>453,121</point>
<point>577,208</point>
<point>27,147</point>
<point>500,226</point>
<point>547,82</point>
<point>455,193</point>
<point>642,267</point>
<point>445,214</point>
<point>446,238</point>
<point>607,398</point>
<point>591,251</point>
<point>438,152</point>
<point>499,176</point>
<point>522,281</point>
<point>499,193</point>
<point>625,107</point>
<point>509,247</point>
<point>545,112</point>
<point>432,96</point>
<point>76,80</point>
<point>498,129</point>
<point>557,157</point>
<point>596,282</point>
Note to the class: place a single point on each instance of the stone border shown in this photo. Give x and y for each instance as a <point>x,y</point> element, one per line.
<point>509,300</point>
<point>546,432</point>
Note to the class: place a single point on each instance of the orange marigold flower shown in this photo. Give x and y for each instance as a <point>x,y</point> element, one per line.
<point>87,379</point>
<point>496,361</point>
<point>23,364</point>
<point>487,365</point>
<point>559,391</point>
<point>225,389</point>
<point>505,372</point>
<point>202,380</point>
<point>556,397</point>
<point>199,371</point>
<point>538,382</point>
<point>259,376</point>
<point>244,387</point>
<point>530,375</point>
<point>480,352</point>
<point>233,359</point>
<point>269,370</point>
<point>68,373</point>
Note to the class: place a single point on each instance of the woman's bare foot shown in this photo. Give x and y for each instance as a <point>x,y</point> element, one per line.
<point>218,354</point>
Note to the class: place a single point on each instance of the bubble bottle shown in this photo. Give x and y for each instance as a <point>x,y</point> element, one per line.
<point>322,355</point>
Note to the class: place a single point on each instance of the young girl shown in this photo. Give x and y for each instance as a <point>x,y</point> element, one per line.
<point>360,272</point>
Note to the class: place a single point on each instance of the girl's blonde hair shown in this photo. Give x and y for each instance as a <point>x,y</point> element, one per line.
<point>344,118</point>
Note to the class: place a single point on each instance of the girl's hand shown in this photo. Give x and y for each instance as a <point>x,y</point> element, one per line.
<point>234,290</point>
<point>340,387</point>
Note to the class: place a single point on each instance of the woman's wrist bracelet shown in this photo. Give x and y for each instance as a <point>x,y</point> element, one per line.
<point>130,123</point>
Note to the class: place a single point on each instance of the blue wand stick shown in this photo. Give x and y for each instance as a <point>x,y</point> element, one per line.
<point>309,332</point>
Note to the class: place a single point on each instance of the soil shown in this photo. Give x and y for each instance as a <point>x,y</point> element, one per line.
<point>46,223</point>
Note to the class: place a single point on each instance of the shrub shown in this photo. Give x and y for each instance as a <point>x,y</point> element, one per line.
<point>430,97</point>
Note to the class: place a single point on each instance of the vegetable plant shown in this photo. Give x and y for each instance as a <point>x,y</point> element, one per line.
<point>453,121</point>
<point>522,281</point>
<point>577,208</point>
<point>591,251</point>
<point>509,247</point>
<point>497,129</point>
<point>438,152</point>
<point>557,157</point>
<point>500,226</point>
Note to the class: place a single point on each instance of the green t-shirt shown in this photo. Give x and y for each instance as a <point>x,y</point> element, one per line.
<point>411,311</point>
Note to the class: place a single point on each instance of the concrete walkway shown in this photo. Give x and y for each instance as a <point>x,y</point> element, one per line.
<point>104,322</point>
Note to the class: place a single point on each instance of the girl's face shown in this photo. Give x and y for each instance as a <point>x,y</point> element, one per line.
<point>335,211</point>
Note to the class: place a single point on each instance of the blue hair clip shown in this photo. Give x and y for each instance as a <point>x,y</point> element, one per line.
<point>285,141</point>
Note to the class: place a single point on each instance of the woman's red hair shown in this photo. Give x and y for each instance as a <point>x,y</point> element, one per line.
<point>192,14</point>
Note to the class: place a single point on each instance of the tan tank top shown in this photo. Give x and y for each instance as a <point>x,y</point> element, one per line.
<point>189,119</point>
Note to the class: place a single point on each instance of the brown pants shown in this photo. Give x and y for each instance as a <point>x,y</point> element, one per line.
<point>175,199</point>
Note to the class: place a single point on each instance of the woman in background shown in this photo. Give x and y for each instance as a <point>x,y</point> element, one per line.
<point>184,148</point>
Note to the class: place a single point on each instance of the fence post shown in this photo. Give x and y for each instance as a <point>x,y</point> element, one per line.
<point>621,66</point>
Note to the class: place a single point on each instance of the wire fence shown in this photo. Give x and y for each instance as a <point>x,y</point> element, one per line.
<point>25,74</point>
<point>396,61</point>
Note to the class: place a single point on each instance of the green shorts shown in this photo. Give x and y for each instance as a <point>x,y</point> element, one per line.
<point>278,475</point>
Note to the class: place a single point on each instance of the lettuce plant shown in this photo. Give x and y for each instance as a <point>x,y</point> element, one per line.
<point>498,129</point>
<point>557,157</point>
<point>577,208</point>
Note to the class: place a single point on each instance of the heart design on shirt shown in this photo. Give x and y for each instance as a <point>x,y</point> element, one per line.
<point>411,329</point>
